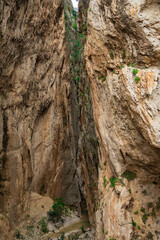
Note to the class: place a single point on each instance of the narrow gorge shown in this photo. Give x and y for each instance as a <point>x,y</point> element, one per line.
<point>79,120</point>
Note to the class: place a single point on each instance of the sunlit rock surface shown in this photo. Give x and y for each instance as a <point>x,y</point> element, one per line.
<point>123,36</point>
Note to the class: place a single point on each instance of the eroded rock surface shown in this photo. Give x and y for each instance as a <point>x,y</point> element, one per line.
<point>36,140</point>
<point>123,36</point>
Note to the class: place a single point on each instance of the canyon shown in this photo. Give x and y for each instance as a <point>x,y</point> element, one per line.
<point>80,117</point>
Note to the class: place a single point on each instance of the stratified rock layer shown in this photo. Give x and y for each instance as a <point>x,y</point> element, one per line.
<point>123,36</point>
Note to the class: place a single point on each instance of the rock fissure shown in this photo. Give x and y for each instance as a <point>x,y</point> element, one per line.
<point>79,120</point>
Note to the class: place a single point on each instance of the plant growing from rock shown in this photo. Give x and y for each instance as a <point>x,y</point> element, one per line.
<point>83,229</point>
<point>124,54</point>
<point>150,235</point>
<point>129,175</point>
<point>144,218</point>
<point>135,71</point>
<point>43,224</point>
<point>134,223</point>
<point>58,210</point>
<point>62,237</point>
<point>113,180</point>
<point>137,79</point>
<point>112,55</point>
<point>18,235</point>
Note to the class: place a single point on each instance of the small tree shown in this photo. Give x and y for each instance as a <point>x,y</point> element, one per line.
<point>58,209</point>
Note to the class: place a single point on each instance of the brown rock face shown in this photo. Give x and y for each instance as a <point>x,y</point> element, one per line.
<point>123,36</point>
<point>37,150</point>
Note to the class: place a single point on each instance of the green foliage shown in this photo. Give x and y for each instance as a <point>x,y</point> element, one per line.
<point>105,163</point>
<point>121,66</point>
<point>111,55</point>
<point>84,27</point>
<point>43,224</point>
<point>135,71</point>
<point>142,210</point>
<point>62,237</point>
<point>18,235</point>
<point>136,212</point>
<point>74,13</point>
<point>30,227</point>
<point>137,79</point>
<point>124,54</point>
<point>144,218</point>
<point>132,64</point>
<point>113,180</point>
<point>153,213</point>
<point>134,223</point>
<point>58,209</point>
<point>129,175</point>
<point>150,235</point>
<point>105,182</point>
<point>74,25</point>
<point>139,227</point>
<point>103,78</point>
<point>74,236</point>
<point>83,229</point>
<point>27,216</point>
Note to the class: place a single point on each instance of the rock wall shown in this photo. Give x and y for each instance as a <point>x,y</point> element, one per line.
<point>87,145</point>
<point>123,63</point>
<point>37,150</point>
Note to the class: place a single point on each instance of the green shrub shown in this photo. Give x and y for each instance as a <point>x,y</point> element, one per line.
<point>132,64</point>
<point>58,209</point>
<point>83,229</point>
<point>144,218</point>
<point>134,223</point>
<point>153,213</point>
<point>143,210</point>
<point>74,25</point>
<point>18,235</point>
<point>62,237</point>
<point>136,212</point>
<point>129,175</point>
<point>150,235</point>
<point>105,182</point>
<point>135,71</point>
<point>113,180</point>
<point>43,224</point>
<point>74,236</point>
<point>137,79</point>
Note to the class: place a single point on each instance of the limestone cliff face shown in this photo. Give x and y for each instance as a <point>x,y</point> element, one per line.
<point>122,58</point>
<point>37,150</point>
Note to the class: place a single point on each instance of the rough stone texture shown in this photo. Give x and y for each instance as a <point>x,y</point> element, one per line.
<point>83,6</point>
<point>37,142</point>
<point>126,114</point>
<point>87,144</point>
